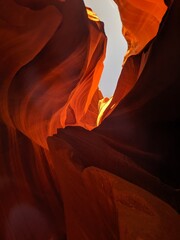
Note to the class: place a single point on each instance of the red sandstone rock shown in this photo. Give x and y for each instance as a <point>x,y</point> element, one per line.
<point>116,181</point>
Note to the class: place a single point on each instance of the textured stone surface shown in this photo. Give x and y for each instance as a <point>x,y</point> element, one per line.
<point>112,171</point>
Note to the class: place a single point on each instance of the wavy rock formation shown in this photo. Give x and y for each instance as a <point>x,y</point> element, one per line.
<point>74,164</point>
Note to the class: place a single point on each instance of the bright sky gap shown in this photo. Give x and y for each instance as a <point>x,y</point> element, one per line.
<point>107,11</point>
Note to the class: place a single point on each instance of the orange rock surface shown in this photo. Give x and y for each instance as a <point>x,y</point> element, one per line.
<point>73,163</point>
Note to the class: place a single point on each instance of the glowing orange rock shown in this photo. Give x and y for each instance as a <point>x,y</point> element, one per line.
<point>52,56</point>
<point>142,22</point>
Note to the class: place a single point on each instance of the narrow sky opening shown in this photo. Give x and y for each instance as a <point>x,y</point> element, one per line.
<point>107,11</point>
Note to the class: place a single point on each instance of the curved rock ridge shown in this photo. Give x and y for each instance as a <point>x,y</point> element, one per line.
<point>63,87</point>
<point>73,163</point>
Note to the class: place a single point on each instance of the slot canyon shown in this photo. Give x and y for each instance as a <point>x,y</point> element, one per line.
<point>76,164</point>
